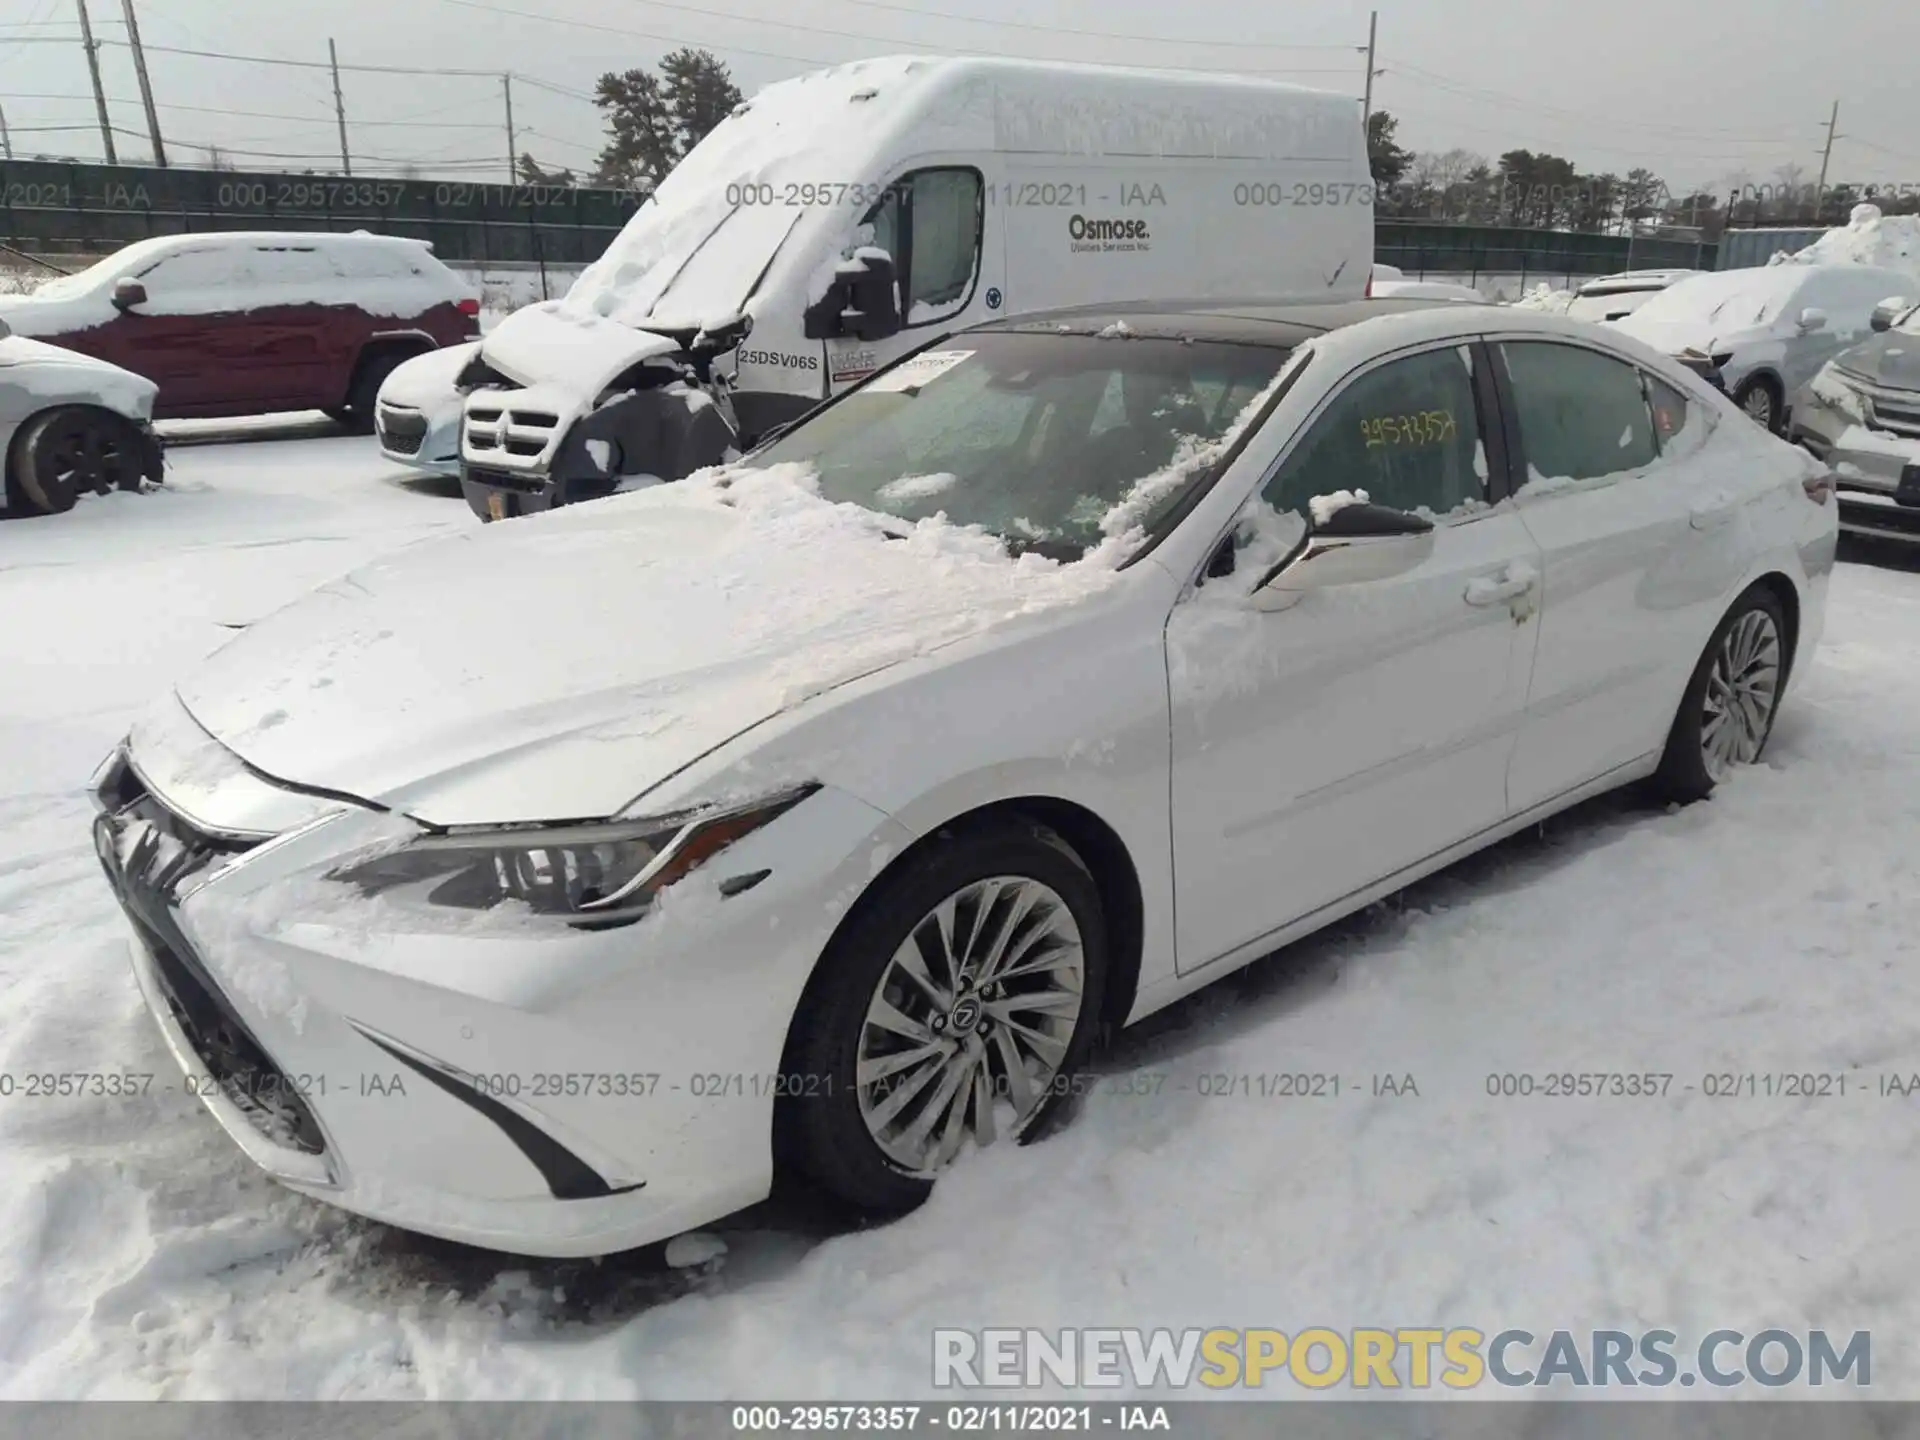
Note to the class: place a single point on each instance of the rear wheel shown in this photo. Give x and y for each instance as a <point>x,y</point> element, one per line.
<point>1727,713</point>
<point>64,453</point>
<point>954,1008</point>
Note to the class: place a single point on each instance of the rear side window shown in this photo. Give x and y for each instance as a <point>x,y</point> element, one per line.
<point>1406,432</point>
<point>1582,414</point>
<point>292,267</point>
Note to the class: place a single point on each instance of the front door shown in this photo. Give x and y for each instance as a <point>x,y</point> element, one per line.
<point>934,223</point>
<point>1322,748</point>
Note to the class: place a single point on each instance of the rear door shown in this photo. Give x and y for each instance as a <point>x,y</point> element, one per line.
<point>1322,748</point>
<point>1639,545</point>
<point>307,325</point>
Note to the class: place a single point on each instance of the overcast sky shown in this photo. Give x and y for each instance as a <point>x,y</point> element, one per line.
<point>1696,90</point>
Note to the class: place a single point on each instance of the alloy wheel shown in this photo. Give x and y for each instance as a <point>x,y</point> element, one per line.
<point>1742,688</point>
<point>1759,405</point>
<point>84,456</point>
<point>971,1021</point>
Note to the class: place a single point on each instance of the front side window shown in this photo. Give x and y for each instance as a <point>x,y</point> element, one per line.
<point>929,222</point>
<point>1407,433</point>
<point>216,271</point>
<point>1581,414</point>
<point>998,429</point>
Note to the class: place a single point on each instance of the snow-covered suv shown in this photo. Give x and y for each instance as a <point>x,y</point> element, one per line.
<point>247,322</point>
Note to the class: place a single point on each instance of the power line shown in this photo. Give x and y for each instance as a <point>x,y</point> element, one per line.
<point>922,14</point>
<point>1475,92</point>
<point>813,60</point>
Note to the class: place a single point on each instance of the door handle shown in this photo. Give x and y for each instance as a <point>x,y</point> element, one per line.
<point>1714,511</point>
<point>1513,582</point>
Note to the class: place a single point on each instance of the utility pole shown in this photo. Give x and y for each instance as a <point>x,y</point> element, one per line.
<point>1826,156</point>
<point>513,144</point>
<point>99,92</point>
<point>339,106</point>
<point>1366,104</point>
<point>146,87</point>
<point>6,140</point>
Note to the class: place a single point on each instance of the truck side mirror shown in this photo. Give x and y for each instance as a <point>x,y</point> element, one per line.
<point>128,292</point>
<point>863,300</point>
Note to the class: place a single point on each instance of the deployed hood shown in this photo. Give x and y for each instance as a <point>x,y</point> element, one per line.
<point>557,667</point>
<point>1891,359</point>
<point>579,354</point>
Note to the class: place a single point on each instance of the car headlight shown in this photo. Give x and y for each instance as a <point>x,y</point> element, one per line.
<point>594,876</point>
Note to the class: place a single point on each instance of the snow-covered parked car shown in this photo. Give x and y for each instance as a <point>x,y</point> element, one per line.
<point>70,424</point>
<point>1766,329</point>
<point>417,414</point>
<point>842,218</point>
<point>1614,297</point>
<point>1391,289</point>
<point>1861,414</point>
<point>1060,669</point>
<point>251,322</point>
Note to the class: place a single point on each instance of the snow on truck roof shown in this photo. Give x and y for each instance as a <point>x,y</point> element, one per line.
<point>846,128</point>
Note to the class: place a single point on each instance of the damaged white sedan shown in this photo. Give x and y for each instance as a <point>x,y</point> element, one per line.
<point>824,809</point>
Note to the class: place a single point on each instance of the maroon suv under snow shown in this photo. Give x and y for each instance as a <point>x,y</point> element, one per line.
<point>243,323</point>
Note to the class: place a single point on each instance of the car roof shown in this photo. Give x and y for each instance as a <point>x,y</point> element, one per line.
<point>1254,322</point>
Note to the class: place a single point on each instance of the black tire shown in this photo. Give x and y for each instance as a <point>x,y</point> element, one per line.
<point>1762,389</point>
<point>1684,776</point>
<point>368,377</point>
<point>65,452</point>
<point>819,1130</point>
<point>339,414</point>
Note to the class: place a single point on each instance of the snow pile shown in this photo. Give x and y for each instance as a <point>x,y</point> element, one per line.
<point>1545,298</point>
<point>1325,507</point>
<point>1891,242</point>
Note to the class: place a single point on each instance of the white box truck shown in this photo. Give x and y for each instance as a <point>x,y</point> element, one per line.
<point>841,220</point>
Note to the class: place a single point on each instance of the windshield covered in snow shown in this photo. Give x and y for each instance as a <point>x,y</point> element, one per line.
<point>99,274</point>
<point>1730,298</point>
<point>1041,438</point>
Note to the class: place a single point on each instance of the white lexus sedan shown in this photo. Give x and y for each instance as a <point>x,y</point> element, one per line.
<point>823,810</point>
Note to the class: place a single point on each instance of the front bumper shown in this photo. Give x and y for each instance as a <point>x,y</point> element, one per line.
<point>1877,470</point>
<point>521,1087</point>
<point>419,439</point>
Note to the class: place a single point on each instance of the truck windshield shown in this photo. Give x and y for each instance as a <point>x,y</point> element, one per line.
<point>1037,437</point>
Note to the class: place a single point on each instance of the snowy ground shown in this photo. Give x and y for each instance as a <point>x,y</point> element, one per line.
<point>1772,930</point>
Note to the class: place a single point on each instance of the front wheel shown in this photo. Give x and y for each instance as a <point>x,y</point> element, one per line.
<point>955,1008</point>
<point>1728,710</point>
<point>64,452</point>
<point>1761,401</point>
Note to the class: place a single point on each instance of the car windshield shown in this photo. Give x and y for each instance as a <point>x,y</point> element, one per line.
<point>1731,297</point>
<point>101,272</point>
<point>1035,436</point>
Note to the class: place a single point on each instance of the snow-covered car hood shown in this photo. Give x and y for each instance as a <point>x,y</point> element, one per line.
<point>568,350</point>
<point>1891,359</point>
<point>426,382</point>
<point>557,667</point>
<point>69,374</point>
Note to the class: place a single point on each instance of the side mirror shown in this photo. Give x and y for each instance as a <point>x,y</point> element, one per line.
<point>1888,311</point>
<point>862,301</point>
<point>1355,544</point>
<point>127,293</point>
<point>1811,320</point>
<point>5,330</point>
